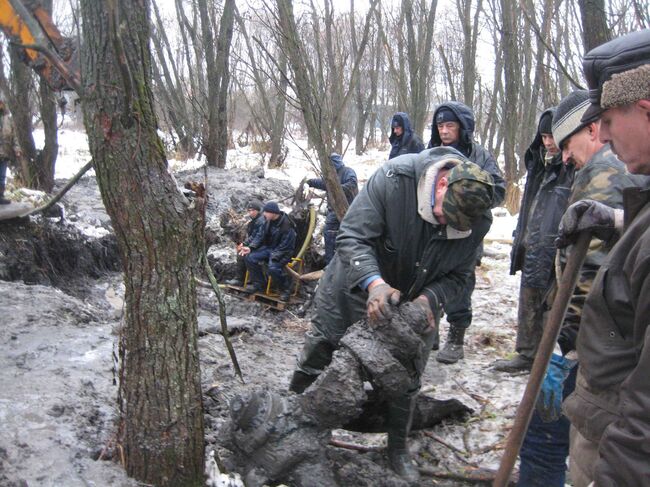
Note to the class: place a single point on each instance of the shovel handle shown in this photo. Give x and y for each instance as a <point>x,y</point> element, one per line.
<point>546,345</point>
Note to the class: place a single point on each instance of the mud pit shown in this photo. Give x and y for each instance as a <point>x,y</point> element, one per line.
<point>58,401</point>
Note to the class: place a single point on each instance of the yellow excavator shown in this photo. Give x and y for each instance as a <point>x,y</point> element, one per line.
<point>30,27</point>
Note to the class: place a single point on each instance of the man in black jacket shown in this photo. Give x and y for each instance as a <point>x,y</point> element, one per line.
<point>348,179</point>
<point>276,251</point>
<point>453,126</point>
<point>254,238</point>
<point>410,235</point>
<point>402,138</point>
<point>546,196</point>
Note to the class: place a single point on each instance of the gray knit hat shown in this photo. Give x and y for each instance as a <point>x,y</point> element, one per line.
<point>568,115</point>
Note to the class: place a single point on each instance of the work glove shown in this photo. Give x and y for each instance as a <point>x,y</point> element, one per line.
<point>380,298</point>
<point>423,302</point>
<point>549,401</point>
<point>588,215</point>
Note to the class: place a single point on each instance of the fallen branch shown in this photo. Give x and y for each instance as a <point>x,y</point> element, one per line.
<point>477,476</point>
<point>354,446</point>
<point>64,190</point>
<point>458,453</point>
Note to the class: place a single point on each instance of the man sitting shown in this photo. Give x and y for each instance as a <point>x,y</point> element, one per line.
<point>276,252</point>
<point>254,238</point>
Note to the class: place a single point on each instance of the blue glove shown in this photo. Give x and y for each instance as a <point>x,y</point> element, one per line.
<point>549,401</point>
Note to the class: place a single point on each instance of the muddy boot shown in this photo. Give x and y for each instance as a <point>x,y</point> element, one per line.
<point>301,381</point>
<point>452,352</point>
<point>3,200</point>
<point>436,339</point>
<point>517,364</point>
<point>400,414</point>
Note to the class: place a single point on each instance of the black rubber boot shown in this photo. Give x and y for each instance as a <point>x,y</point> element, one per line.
<point>517,364</point>
<point>301,381</point>
<point>453,351</point>
<point>400,414</point>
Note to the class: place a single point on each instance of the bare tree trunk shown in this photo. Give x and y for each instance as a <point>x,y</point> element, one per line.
<point>509,11</point>
<point>594,23</point>
<point>160,237</point>
<point>211,134</point>
<point>277,133</point>
<point>223,68</point>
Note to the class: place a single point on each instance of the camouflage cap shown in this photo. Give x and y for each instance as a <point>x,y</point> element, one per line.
<point>470,191</point>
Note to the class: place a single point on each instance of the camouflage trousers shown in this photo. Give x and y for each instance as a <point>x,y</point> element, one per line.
<point>530,317</point>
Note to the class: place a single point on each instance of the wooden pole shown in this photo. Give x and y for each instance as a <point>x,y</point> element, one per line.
<point>546,345</point>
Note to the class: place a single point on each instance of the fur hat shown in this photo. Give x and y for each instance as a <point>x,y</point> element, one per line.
<point>254,205</point>
<point>568,116</point>
<point>618,73</point>
<point>272,207</point>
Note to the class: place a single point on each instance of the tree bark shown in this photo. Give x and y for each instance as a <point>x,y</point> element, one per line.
<point>594,23</point>
<point>223,68</point>
<point>160,237</point>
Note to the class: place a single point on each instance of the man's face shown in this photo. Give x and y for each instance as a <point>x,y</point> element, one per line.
<point>449,132</point>
<point>578,149</point>
<point>252,212</point>
<point>271,216</point>
<point>549,144</point>
<point>397,130</point>
<point>627,129</point>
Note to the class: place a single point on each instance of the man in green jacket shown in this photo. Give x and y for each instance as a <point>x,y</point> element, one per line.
<point>408,236</point>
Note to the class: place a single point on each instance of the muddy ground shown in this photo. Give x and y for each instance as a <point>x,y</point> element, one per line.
<point>58,334</point>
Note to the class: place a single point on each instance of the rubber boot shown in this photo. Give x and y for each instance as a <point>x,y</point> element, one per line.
<point>453,351</point>
<point>301,381</point>
<point>400,415</point>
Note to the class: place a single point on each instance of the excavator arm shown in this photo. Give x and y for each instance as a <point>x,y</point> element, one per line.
<point>54,57</point>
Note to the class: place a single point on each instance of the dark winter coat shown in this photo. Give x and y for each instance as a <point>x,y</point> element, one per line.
<point>611,402</point>
<point>255,231</point>
<point>545,200</point>
<point>383,234</point>
<point>348,179</point>
<point>466,145</point>
<point>280,236</point>
<point>408,142</point>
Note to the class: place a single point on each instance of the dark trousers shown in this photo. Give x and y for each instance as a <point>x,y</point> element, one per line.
<point>330,232</point>
<point>254,262</point>
<point>546,447</point>
<point>3,172</point>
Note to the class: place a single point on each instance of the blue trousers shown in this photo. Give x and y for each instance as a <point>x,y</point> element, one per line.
<point>546,447</point>
<point>257,258</point>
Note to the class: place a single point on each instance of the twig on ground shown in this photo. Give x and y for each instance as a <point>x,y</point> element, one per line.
<point>354,446</point>
<point>478,475</point>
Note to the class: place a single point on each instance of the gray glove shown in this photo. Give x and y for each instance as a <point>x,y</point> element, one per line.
<point>380,298</point>
<point>588,215</point>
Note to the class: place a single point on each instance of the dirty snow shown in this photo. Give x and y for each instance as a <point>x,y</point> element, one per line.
<point>58,399</point>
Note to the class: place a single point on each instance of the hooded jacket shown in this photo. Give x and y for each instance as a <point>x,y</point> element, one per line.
<point>347,177</point>
<point>546,196</point>
<point>470,149</point>
<point>408,142</point>
<point>383,234</point>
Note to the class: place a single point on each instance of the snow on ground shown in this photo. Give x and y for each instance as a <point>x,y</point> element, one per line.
<point>493,396</point>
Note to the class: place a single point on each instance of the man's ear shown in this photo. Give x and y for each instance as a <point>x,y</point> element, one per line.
<point>593,131</point>
<point>644,104</point>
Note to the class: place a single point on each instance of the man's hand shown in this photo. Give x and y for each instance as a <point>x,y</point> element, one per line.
<point>549,401</point>
<point>380,298</point>
<point>423,302</point>
<point>600,220</point>
<point>244,251</point>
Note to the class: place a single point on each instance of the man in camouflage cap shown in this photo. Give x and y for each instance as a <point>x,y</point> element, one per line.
<point>610,407</point>
<point>408,237</point>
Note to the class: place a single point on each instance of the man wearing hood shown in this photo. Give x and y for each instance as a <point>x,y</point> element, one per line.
<point>410,235</point>
<point>402,138</point>
<point>546,196</point>
<point>453,126</point>
<point>348,179</point>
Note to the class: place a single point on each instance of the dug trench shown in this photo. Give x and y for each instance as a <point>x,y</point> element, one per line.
<point>61,300</point>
